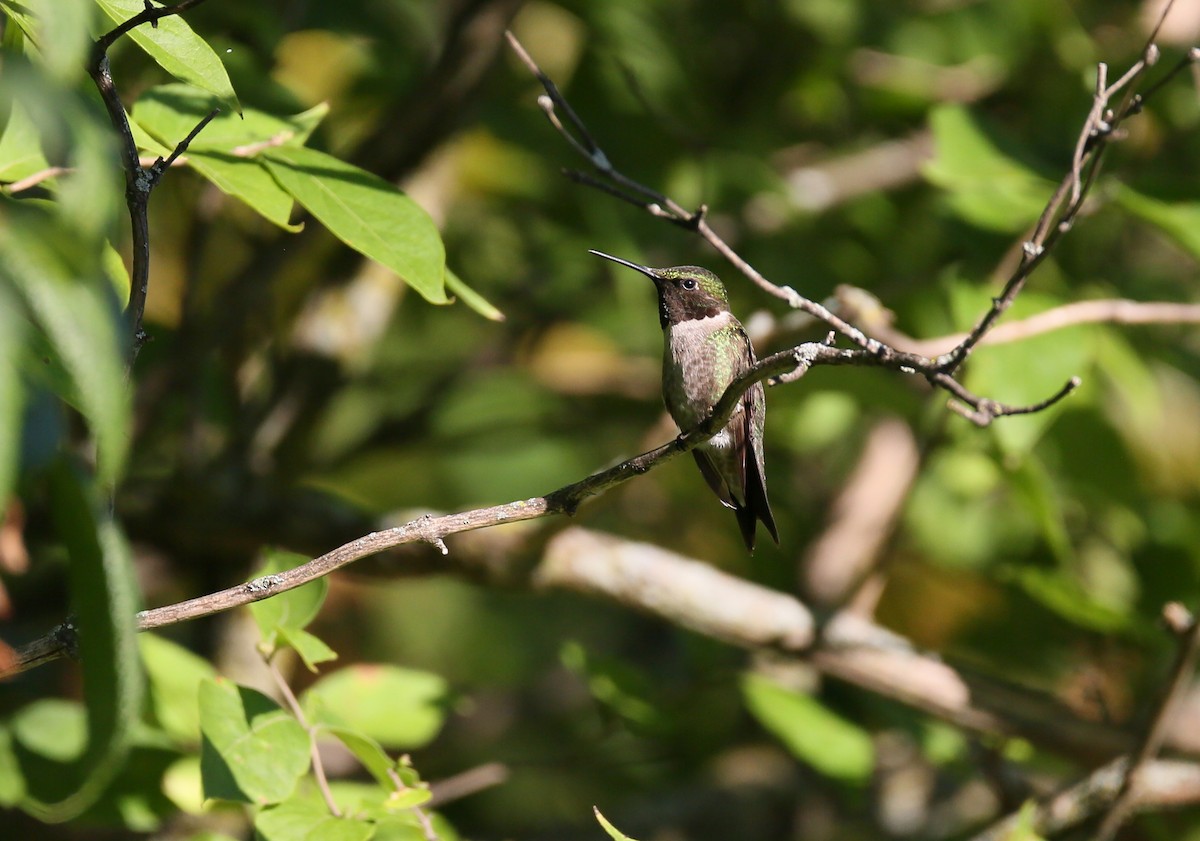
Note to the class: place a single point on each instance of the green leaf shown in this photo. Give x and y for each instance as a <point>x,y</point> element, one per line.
<point>811,731</point>
<point>1180,220</point>
<point>12,781</point>
<point>247,181</point>
<point>986,187</point>
<point>12,394</point>
<point>368,751</point>
<point>612,831</point>
<point>104,600</point>
<point>73,306</point>
<point>20,147</point>
<point>169,112</point>
<point>1056,591</point>
<point>304,820</point>
<point>1045,363</point>
<point>224,151</point>
<point>399,708</point>
<point>53,728</point>
<point>175,676</point>
<point>252,750</point>
<point>312,650</point>
<point>471,298</point>
<point>367,213</point>
<point>281,618</point>
<point>60,31</point>
<point>177,49</point>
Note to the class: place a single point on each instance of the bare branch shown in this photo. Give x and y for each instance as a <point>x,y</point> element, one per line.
<point>1181,674</point>
<point>1163,783</point>
<point>1057,218</point>
<point>139,181</point>
<point>297,711</point>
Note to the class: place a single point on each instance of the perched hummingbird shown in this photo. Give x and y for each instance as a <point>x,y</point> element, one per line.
<point>704,349</point>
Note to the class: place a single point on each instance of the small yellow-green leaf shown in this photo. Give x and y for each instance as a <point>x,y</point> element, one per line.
<point>175,677</point>
<point>1178,220</point>
<point>367,213</point>
<point>481,305</point>
<point>399,708</point>
<point>20,149</point>
<point>612,831</point>
<point>312,650</point>
<point>176,48</point>
<point>810,730</point>
<point>306,820</point>
<point>986,187</point>
<point>368,751</point>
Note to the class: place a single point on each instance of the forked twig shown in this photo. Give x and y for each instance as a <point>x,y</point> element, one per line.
<point>1060,212</point>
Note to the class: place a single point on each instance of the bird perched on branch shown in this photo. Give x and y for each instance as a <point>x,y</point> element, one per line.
<point>704,349</point>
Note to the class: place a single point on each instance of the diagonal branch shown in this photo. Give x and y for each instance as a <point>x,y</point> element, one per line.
<point>1059,215</point>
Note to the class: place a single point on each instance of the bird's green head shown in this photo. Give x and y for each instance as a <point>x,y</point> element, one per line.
<point>684,292</point>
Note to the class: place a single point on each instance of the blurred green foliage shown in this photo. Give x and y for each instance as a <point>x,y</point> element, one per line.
<point>295,392</point>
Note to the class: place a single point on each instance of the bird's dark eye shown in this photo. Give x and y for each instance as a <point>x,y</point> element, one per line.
<point>689,284</point>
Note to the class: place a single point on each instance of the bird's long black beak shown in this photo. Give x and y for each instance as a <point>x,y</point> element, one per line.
<point>646,270</point>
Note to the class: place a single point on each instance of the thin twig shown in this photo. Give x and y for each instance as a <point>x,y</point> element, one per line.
<point>1181,674</point>
<point>150,15</point>
<point>1055,221</point>
<point>293,704</point>
<point>139,181</point>
<point>422,816</point>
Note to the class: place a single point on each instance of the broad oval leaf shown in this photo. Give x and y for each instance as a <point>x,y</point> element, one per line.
<point>399,708</point>
<point>367,213</point>
<point>177,49</point>
<point>811,731</point>
<point>305,820</point>
<point>252,750</point>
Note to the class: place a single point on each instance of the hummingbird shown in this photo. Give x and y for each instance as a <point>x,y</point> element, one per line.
<point>704,349</point>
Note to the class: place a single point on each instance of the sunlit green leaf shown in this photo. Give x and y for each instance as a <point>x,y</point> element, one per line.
<point>986,187</point>
<point>481,305</point>
<point>311,649</point>
<point>399,708</point>
<point>290,611</point>
<point>54,728</point>
<point>104,600</point>
<point>367,751</point>
<point>175,676</point>
<point>177,49</point>
<point>12,781</point>
<point>1055,591</point>
<point>1179,220</point>
<point>304,820</point>
<point>252,750</point>
<point>170,112</point>
<point>367,213</point>
<point>612,831</point>
<point>12,394</point>
<point>246,180</point>
<point>78,319</point>
<point>811,731</point>
<point>20,149</point>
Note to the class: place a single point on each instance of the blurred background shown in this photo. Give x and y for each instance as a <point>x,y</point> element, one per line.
<point>295,395</point>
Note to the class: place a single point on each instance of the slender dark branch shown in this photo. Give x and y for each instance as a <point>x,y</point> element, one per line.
<point>150,15</point>
<point>1099,129</point>
<point>139,181</point>
<point>1056,220</point>
<point>1181,674</point>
